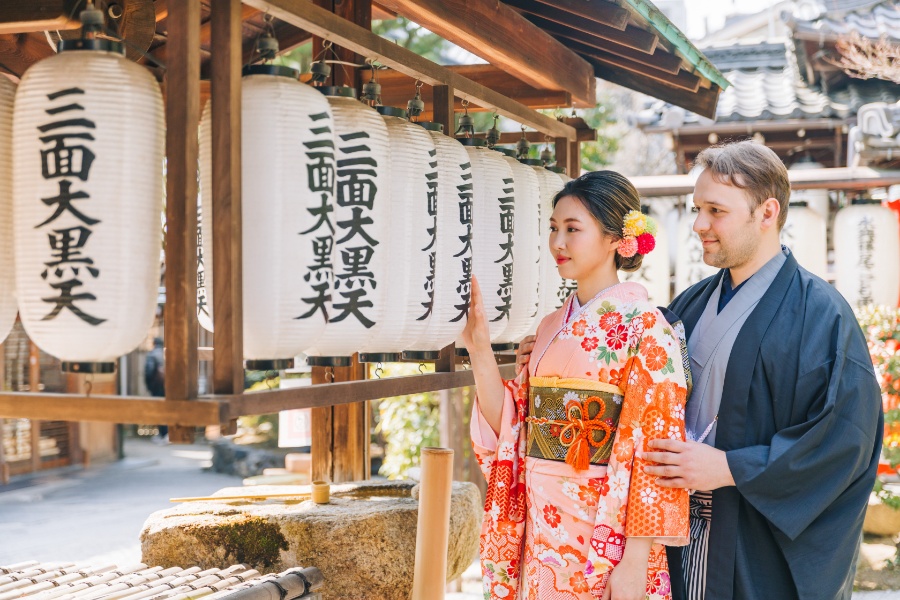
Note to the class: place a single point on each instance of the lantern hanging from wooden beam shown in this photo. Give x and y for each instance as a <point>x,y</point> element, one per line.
<point>287,199</point>
<point>804,233</point>
<point>362,245</point>
<point>866,253</point>
<point>567,287</point>
<point>453,259</point>
<point>411,244</point>
<point>816,200</point>
<point>550,282</point>
<point>493,241</point>
<point>88,189</point>
<point>525,294</point>
<point>654,273</point>
<point>7,264</point>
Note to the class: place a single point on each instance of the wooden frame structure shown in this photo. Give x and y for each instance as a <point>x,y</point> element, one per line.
<point>340,417</point>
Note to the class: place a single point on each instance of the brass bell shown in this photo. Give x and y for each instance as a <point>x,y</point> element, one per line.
<point>320,71</point>
<point>493,134</point>
<point>546,155</point>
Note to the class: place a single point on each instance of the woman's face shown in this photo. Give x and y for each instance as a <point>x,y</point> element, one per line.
<point>577,243</point>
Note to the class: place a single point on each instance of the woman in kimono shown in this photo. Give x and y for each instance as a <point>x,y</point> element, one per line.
<point>570,513</point>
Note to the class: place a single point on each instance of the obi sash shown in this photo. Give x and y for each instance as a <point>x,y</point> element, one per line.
<point>572,420</point>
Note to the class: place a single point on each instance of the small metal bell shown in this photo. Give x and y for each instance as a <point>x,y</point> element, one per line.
<point>267,47</point>
<point>416,106</point>
<point>493,134</point>
<point>91,20</point>
<point>371,91</point>
<point>522,146</point>
<point>546,155</point>
<point>466,125</point>
<point>320,71</point>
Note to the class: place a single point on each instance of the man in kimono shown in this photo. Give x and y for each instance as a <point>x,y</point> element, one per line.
<point>784,420</point>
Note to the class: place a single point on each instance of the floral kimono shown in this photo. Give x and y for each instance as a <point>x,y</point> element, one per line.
<point>566,486</point>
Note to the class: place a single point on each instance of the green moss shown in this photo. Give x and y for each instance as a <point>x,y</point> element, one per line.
<point>248,540</point>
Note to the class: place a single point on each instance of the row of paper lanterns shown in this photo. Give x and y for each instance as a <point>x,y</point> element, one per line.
<point>361,230</point>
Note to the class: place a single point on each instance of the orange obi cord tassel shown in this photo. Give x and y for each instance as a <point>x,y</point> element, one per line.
<point>579,454</point>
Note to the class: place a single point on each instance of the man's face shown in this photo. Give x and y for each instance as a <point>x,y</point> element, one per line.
<point>730,233</point>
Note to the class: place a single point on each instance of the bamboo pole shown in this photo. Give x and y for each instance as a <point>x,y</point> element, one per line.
<point>430,572</point>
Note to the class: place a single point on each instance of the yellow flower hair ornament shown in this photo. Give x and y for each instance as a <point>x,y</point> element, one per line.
<point>638,233</point>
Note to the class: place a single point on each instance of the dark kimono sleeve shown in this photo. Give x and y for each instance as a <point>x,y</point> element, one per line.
<point>837,414</point>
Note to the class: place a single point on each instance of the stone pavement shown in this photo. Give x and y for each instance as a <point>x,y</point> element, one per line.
<point>95,515</point>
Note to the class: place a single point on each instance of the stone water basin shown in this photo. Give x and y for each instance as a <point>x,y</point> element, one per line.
<point>363,541</point>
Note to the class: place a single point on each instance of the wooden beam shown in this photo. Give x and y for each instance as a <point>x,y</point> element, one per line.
<point>320,22</point>
<point>703,102</point>
<point>844,178</point>
<point>633,37</point>
<point>182,121</point>
<point>574,169</point>
<point>596,11</point>
<point>535,137</point>
<point>34,386</point>
<point>333,394</point>
<point>397,88</point>
<point>20,51</point>
<point>683,80</point>
<point>17,16</point>
<point>497,33</point>
<point>562,153</point>
<point>110,409</point>
<point>588,45</point>
<point>228,367</point>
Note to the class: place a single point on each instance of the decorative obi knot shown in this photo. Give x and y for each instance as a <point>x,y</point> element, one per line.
<point>572,420</point>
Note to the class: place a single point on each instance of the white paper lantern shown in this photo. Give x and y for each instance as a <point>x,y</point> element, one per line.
<point>526,267</point>
<point>409,283</point>
<point>654,273</point>
<point>567,287</point>
<point>204,253</point>
<point>493,241</point>
<point>550,282</point>
<point>689,265</point>
<point>88,134</point>
<point>817,200</point>
<point>867,251</point>
<point>7,264</point>
<point>804,233</point>
<point>287,199</point>
<point>453,260</point>
<point>362,221</point>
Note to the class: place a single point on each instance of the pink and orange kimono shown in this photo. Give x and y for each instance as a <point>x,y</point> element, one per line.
<point>566,486</point>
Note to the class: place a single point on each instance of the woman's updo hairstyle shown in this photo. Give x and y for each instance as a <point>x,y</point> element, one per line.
<point>608,196</point>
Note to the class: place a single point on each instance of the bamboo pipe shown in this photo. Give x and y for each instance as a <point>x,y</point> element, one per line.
<point>433,529</point>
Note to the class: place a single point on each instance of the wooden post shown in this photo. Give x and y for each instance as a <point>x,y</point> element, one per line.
<point>340,434</point>
<point>443,102</point>
<point>4,468</point>
<point>574,168</point>
<point>228,368</point>
<point>562,153</point>
<point>34,386</point>
<point>182,121</point>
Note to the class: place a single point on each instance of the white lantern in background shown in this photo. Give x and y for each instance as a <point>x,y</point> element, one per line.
<point>867,254</point>
<point>804,233</point>
<point>204,246</point>
<point>654,273</point>
<point>453,259</point>
<point>526,296</point>
<point>689,265</point>
<point>567,287</point>
<point>362,223</point>
<point>550,282</point>
<point>493,215</point>
<point>287,199</point>
<point>88,135</point>
<point>817,200</point>
<point>7,264</point>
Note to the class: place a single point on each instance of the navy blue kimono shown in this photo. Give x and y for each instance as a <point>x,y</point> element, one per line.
<point>801,424</point>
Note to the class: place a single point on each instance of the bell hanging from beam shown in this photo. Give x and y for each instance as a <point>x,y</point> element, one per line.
<point>522,146</point>
<point>493,134</point>
<point>416,106</point>
<point>466,126</point>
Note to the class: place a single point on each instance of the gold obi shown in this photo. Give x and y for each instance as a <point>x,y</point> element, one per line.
<point>572,420</point>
